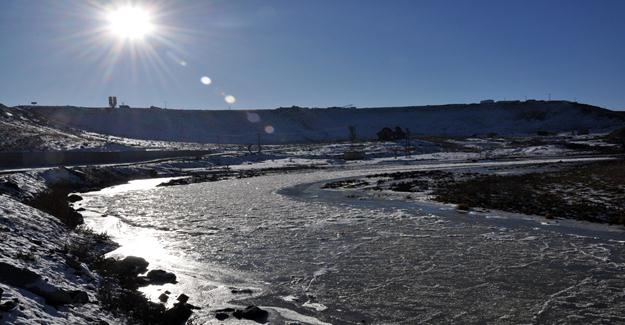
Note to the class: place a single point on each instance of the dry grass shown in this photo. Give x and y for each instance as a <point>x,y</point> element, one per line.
<point>593,192</point>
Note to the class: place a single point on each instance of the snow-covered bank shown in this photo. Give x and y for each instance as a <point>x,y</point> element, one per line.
<point>54,272</point>
<point>67,252</point>
<point>38,273</point>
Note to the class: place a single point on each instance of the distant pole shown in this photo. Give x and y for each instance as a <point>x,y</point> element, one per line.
<point>407,142</point>
<point>352,134</point>
<point>258,136</point>
<point>549,96</point>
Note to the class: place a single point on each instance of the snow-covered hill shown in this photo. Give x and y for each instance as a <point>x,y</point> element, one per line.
<point>288,125</point>
<point>23,129</point>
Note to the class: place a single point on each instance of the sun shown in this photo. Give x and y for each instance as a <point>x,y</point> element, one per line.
<point>130,22</point>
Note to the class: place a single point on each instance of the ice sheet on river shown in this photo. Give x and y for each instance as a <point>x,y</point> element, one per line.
<point>378,264</point>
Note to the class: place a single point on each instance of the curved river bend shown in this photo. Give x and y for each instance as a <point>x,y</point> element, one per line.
<point>317,257</point>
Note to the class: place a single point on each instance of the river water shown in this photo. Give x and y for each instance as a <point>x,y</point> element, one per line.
<point>318,256</point>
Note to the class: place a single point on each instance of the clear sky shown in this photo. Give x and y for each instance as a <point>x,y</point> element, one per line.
<point>314,53</point>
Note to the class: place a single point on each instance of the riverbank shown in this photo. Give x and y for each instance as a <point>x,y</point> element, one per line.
<point>63,272</point>
<point>81,251</point>
<point>110,285</point>
<point>583,191</point>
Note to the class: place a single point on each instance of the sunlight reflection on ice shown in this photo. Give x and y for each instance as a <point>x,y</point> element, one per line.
<point>139,184</point>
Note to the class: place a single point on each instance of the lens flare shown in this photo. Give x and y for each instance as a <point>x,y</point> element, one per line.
<point>269,129</point>
<point>176,58</point>
<point>230,99</point>
<point>206,80</point>
<point>252,117</point>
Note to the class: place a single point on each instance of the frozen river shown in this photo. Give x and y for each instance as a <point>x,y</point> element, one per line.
<point>321,257</point>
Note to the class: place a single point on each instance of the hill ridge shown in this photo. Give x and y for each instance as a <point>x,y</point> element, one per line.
<point>299,124</point>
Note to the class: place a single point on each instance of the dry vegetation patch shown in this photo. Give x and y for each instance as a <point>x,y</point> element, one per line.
<point>592,191</point>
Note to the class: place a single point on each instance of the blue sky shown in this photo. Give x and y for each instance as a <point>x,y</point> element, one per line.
<point>315,53</point>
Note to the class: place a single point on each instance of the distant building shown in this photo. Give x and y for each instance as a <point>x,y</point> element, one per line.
<point>487,101</point>
<point>124,106</point>
<point>112,101</point>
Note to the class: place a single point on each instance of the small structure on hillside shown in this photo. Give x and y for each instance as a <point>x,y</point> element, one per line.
<point>487,102</point>
<point>112,101</point>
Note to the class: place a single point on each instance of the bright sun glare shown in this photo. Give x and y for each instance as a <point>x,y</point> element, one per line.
<point>130,22</point>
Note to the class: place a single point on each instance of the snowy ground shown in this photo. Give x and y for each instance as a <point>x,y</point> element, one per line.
<point>35,241</point>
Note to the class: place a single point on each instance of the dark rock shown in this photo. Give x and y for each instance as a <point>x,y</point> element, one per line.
<point>37,242</point>
<point>225,310</point>
<point>80,209</point>
<point>221,316</point>
<point>178,314</point>
<point>17,277</point>
<point>10,185</point>
<point>163,298</point>
<point>183,298</point>
<point>161,277</point>
<point>167,292</point>
<point>242,291</point>
<point>56,297</point>
<point>54,202</point>
<point>252,313</point>
<point>131,265</point>
<point>79,297</point>
<point>72,262</point>
<point>140,281</point>
<point>9,305</point>
<point>31,281</point>
<point>74,198</point>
